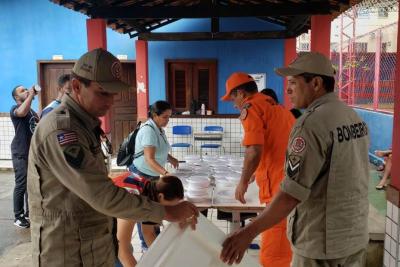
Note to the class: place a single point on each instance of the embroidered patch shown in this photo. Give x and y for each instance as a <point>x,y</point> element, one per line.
<point>74,155</point>
<point>298,144</point>
<point>116,69</point>
<point>243,114</point>
<point>293,165</point>
<point>66,138</point>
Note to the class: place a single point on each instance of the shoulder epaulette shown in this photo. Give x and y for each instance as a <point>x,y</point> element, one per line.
<point>63,118</point>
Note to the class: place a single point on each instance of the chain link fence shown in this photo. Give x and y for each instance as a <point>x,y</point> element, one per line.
<point>366,69</point>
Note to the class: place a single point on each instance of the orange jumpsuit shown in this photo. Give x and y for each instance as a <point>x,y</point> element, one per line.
<point>269,125</point>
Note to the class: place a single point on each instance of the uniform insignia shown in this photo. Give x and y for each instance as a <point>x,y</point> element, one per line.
<point>243,114</point>
<point>247,105</point>
<point>298,144</point>
<point>66,138</point>
<point>293,165</point>
<point>74,155</point>
<point>116,70</point>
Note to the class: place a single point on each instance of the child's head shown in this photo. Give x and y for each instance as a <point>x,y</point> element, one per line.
<point>168,190</point>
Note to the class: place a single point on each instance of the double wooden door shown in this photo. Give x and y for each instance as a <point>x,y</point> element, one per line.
<point>123,114</point>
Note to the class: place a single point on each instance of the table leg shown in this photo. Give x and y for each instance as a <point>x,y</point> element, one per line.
<point>235,224</point>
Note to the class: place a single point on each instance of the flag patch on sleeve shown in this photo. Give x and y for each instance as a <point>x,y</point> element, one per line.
<point>66,138</point>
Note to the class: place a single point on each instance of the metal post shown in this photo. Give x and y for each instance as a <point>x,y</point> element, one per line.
<point>396,117</point>
<point>378,53</point>
<point>340,77</point>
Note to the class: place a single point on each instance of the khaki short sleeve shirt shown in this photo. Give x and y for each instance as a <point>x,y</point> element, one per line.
<point>327,170</point>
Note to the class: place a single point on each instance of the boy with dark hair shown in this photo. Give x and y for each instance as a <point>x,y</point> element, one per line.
<point>64,86</point>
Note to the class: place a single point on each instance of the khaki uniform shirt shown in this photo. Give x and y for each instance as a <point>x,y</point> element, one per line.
<point>71,197</point>
<point>327,171</point>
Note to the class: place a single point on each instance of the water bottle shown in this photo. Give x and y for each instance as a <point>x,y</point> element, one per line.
<point>203,109</point>
<point>37,88</point>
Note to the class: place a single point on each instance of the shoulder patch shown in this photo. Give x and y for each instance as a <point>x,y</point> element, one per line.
<point>247,105</point>
<point>74,155</point>
<point>292,165</point>
<point>298,144</point>
<point>243,114</point>
<point>67,137</point>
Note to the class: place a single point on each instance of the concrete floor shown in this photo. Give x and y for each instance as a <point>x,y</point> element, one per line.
<point>15,242</point>
<point>15,250</point>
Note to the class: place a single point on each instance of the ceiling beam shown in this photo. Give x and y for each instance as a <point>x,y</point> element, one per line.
<point>212,11</point>
<point>202,36</point>
<point>214,24</point>
<point>298,23</point>
<point>151,28</point>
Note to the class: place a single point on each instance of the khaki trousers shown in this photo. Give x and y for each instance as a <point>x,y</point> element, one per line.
<point>358,259</point>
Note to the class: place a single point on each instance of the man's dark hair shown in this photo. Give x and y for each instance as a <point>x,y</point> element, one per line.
<point>63,79</point>
<point>14,91</point>
<point>271,93</point>
<point>85,82</point>
<point>327,81</point>
<point>249,87</point>
<point>158,108</point>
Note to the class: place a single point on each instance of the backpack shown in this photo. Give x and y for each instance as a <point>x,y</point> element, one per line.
<point>126,152</point>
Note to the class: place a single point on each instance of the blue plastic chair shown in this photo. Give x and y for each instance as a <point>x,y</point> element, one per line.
<point>219,139</point>
<point>182,130</point>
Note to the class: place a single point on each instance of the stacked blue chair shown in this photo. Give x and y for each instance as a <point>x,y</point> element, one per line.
<point>217,129</point>
<point>182,131</point>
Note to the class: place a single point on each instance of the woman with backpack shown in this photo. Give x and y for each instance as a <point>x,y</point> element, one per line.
<point>151,154</point>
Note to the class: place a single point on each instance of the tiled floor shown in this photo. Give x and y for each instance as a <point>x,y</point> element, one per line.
<point>212,215</point>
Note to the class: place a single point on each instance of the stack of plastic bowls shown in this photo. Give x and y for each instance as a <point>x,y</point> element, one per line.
<point>197,188</point>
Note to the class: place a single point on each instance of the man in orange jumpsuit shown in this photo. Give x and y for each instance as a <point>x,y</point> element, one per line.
<point>266,134</point>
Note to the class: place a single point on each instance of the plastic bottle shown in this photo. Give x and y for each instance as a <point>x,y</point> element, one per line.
<point>203,109</point>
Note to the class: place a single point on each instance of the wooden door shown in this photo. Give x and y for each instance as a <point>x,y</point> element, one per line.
<point>123,114</point>
<point>48,72</point>
<point>124,111</point>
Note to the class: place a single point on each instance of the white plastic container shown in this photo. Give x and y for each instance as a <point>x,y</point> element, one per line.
<point>175,247</point>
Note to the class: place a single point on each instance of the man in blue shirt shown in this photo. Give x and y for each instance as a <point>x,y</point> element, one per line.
<point>64,86</point>
<point>24,120</point>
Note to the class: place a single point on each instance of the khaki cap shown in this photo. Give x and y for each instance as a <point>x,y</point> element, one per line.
<point>236,79</point>
<point>309,62</point>
<point>102,67</point>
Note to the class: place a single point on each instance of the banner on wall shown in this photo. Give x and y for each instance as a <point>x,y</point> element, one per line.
<point>260,79</point>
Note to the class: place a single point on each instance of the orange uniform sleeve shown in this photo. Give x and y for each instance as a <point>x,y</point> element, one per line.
<point>253,127</point>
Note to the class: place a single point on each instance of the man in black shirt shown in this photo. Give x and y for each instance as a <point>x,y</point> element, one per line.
<point>24,120</point>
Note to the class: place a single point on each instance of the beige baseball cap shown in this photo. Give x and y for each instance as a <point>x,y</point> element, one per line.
<point>308,62</point>
<point>102,67</point>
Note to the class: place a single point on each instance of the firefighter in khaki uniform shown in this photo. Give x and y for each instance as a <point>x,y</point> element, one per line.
<point>266,134</point>
<point>71,196</point>
<point>325,189</point>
